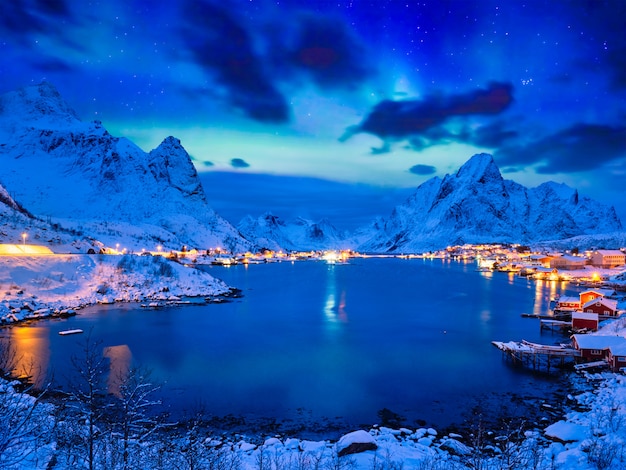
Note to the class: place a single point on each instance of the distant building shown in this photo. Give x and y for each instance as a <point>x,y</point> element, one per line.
<point>608,258</point>
<point>568,262</point>
<point>539,260</point>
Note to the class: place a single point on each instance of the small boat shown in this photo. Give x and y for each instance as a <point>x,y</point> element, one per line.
<point>70,332</point>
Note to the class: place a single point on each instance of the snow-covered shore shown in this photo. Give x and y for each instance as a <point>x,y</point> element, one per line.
<point>592,437</point>
<point>39,286</point>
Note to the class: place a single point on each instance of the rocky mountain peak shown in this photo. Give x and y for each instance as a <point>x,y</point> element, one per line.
<point>480,168</point>
<point>476,205</point>
<point>37,103</point>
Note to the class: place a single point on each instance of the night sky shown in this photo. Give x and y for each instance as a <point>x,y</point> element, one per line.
<point>337,107</point>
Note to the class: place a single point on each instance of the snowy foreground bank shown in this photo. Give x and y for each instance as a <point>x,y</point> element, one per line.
<point>40,286</point>
<point>36,435</point>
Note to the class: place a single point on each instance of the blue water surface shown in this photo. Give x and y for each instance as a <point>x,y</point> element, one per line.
<point>312,342</point>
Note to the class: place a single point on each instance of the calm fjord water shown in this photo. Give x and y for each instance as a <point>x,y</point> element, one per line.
<point>309,341</point>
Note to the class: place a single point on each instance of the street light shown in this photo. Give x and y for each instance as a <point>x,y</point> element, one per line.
<point>24,235</point>
<point>159,249</point>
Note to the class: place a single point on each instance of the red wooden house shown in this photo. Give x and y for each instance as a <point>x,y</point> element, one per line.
<point>596,347</point>
<point>591,294</point>
<point>617,357</point>
<point>601,306</point>
<point>567,304</point>
<point>584,321</point>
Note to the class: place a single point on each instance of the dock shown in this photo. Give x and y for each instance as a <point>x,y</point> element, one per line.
<point>553,325</point>
<point>537,355</point>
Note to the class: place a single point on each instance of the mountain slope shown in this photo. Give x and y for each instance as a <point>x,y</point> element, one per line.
<point>106,186</point>
<point>270,232</point>
<point>476,205</point>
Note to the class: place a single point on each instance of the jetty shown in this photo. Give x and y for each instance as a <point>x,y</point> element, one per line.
<point>537,355</point>
<point>553,325</point>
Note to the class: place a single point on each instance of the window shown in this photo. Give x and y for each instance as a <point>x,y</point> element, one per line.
<point>621,358</point>
<point>596,352</point>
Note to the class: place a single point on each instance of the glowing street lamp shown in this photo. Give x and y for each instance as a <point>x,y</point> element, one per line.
<point>159,248</point>
<point>24,235</point>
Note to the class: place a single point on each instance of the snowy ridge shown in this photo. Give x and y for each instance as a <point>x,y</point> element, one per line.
<point>86,176</point>
<point>476,205</point>
<point>271,232</point>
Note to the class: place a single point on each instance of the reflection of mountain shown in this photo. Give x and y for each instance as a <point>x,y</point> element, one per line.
<point>105,186</point>
<point>269,231</point>
<point>476,205</point>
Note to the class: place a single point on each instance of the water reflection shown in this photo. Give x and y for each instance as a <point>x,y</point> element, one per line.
<point>545,291</point>
<point>119,357</point>
<point>32,349</point>
<point>334,310</point>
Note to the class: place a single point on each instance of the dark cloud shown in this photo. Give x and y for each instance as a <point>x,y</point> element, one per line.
<point>221,44</point>
<point>327,50</point>
<point>52,65</point>
<point>402,119</point>
<point>423,169</point>
<point>22,17</point>
<point>487,136</point>
<point>239,163</point>
<point>54,7</point>
<point>491,135</point>
<point>580,147</point>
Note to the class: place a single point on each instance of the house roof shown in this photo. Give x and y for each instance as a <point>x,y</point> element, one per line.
<point>618,349</point>
<point>598,341</point>
<point>584,316</point>
<point>609,252</point>
<point>573,259</point>
<point>609,303</point>
<point>602,292</point>
<point>568,299</point>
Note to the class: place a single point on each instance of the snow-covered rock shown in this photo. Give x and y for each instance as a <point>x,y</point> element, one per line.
<point>476,205</point>
<point>355,442</point>
<point>565,431</point>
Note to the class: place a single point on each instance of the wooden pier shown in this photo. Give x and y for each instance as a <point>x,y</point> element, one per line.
<point>537,355</point>
<point>554,325</point>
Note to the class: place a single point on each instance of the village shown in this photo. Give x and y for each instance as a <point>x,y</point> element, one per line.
<point>593,319</point>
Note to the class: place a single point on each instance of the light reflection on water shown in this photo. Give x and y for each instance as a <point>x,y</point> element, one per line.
<point>32,353</point>
<point>412,336</point>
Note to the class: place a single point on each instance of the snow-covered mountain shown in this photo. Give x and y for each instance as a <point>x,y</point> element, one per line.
<point>270,232</point>
<point>76,173</point>
<point>476,205</point>
<point>16,221</point>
